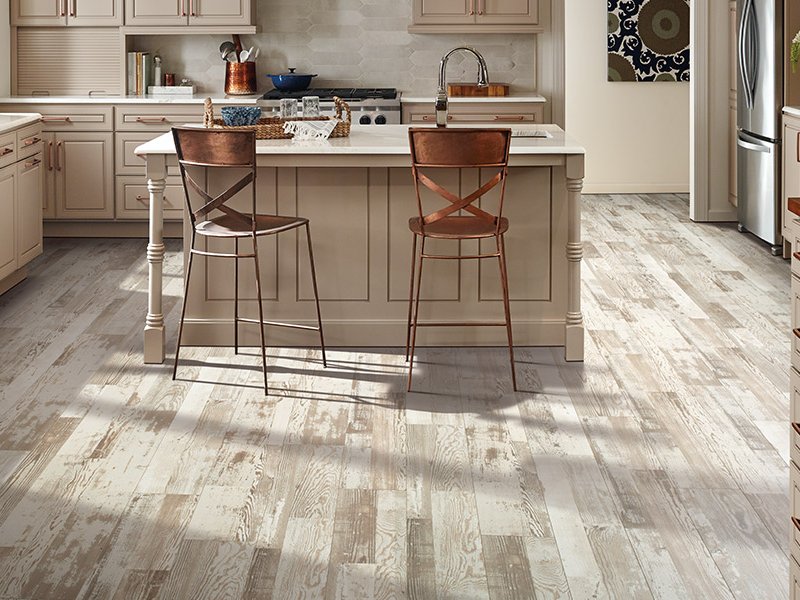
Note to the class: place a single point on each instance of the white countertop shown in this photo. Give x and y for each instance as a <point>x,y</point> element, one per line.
<point>792,110</point>
<point>383,140</point>
<point>479,99</point>
<point>11,121</point>
<point>196,99</point>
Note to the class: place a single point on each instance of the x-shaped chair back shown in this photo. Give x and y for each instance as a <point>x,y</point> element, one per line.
<point>459,148</point>
<point>216,149</point>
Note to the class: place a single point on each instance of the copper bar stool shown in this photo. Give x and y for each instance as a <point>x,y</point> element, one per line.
<point>221,151</point>
<point>433,149</point>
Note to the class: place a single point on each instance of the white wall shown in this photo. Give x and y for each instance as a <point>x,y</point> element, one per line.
<point>5,50</point>
<point>636,135</point>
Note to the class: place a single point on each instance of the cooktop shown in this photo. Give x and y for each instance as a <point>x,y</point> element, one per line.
<point>347,94</point>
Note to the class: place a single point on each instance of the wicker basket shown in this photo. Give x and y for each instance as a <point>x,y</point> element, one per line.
<point>272,128</point>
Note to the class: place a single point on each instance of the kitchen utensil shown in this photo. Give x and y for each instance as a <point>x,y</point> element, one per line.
<point>310,106</point>
<point>240,78</point>
<point>244,56</point>
<point>291,81</point>
<point>237,43</point>
<point>255,56</point>
<point>225,49</point>
<point>240,116</point>
<point>288,108</point>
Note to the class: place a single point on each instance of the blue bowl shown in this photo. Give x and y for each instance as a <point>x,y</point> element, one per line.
<point>240,116</point>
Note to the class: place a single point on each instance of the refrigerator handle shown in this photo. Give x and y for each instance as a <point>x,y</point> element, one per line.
<point>752,22</point>
<point>751,146</point>
<point>743,66</point>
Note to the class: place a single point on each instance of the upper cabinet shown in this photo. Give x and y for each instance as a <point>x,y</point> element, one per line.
<point>476,16</point>
<point>75,13</point>
<point>188,12</point>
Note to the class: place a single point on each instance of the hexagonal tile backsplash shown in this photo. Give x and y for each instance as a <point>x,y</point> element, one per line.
<point>359,43</point>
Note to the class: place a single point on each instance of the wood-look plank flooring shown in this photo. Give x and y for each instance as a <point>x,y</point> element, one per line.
<point>656,469</point>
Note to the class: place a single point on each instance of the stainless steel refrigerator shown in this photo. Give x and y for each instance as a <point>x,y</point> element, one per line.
<point>760,96</point>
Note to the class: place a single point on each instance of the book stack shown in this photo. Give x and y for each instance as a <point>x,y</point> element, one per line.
<point>139,73</point>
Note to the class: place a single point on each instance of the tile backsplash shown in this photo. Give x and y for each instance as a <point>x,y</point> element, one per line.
<point>358,43</point>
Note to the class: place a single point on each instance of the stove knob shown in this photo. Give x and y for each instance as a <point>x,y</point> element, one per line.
<point>380,120</point>
<point>365,120</point>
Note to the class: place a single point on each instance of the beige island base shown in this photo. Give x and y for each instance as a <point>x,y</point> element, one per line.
<point>358,194</point>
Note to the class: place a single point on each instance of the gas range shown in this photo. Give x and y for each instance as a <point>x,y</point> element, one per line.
<point>370,106</point>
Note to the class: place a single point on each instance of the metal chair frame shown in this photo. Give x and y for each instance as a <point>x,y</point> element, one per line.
<point>237,150</point>
<point>463,150</point>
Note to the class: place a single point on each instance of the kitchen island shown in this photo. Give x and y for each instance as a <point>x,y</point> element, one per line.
<point>358,194</point>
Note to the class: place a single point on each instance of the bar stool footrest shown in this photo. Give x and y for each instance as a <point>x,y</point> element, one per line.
<point>277,324</point>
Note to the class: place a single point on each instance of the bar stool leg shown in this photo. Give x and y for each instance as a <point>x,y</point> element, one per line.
<point>411,291</point>
<point>416,315</point>
<point>501,247</point>
<point>183,309</point>
<point>316,294</point>
<point>236,297</point>
<point>260,315</point>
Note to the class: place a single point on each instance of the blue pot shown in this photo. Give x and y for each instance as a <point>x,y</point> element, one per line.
<point>291,81</point>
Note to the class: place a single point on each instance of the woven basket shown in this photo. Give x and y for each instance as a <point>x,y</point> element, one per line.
<point>272,128</point>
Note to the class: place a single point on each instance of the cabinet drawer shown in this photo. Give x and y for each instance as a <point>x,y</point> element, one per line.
<point>794,574</point>
<point>8,149</point>
<point>795,321</point>
<point>29,140</point>
<point>133,199</point>
<point>127,163</point>
<point>65,117</point>
<point>794,443</point>
<point>156,118</point>
<point>794,395</point>
<point>478,117</point>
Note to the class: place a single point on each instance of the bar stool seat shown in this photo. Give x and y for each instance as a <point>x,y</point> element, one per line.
<point>457,228</point>
<point>230,227</point>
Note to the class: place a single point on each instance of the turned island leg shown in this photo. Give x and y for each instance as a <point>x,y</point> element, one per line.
<point>154,324</point>
<point>573,341</point>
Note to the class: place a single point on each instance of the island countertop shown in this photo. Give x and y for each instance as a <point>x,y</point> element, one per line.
<point>370,140</point>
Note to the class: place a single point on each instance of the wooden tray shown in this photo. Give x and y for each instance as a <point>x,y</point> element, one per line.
<point>472,89</point>
<point>271,128</point>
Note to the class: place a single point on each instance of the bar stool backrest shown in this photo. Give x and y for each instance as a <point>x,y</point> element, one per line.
<point>459,148</point>
<point>216,150</point>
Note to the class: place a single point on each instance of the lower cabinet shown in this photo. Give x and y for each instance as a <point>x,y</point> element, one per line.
<point>8,194</point>
<point>496,113</point>
<point>80,175</point>
<point>133,199</point>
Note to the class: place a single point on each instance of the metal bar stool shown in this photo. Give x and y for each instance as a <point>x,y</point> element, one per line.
<point>433,149</point>
<point>232,150</point>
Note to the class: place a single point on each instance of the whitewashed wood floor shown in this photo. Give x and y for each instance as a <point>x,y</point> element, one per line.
<point>656,469</point>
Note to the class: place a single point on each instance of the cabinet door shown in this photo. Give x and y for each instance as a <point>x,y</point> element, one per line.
<point>89,13</point>
<point>156,12</point>
<point>49,184</point>
<point>30,187</point>
<point>507,12</point>
<point>84,175</point>
<point>39,12</point>
<point>444,12</point>
<point>8,191</point>
<point>219,12</point>
<point>791,166</point>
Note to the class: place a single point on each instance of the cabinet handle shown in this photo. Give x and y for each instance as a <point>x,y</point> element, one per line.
<point>480,7</point>
<point>183,7</point>
<point>191,8</point>
<point>6,151</point>
<point>63,10</point>
<point>149,120</point>
<point>798,147</point>
<point>32,163</point>
<point>49,156</point>
<point>146,199</point>
<point>796,427</point>
<point>58,155</point>
<point>433,118</point>
<point>471,7</point>
<point>31,141</point>
<point>509,117</point>
<point>56,119</point>
<point>796,522</point>
<point>72,8</point>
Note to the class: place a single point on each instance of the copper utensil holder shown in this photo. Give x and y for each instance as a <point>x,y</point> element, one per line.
<point>240,78</point>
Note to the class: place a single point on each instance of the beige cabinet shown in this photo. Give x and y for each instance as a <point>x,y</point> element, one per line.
<point>475,16</point>
<point>791,168</point>
<point>496,113</point>
<point>188,12</point>
<point>75,13</point>
<point>8,192</point>
<point>30,182</point>
<point>83,175</point>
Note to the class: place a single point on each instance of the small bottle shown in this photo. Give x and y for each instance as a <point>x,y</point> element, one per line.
<point>157,71</point>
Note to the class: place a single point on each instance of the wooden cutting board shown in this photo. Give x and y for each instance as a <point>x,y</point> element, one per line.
<point>472,89</point>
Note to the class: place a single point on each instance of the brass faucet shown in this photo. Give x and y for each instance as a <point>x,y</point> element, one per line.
<point>441,94</point>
